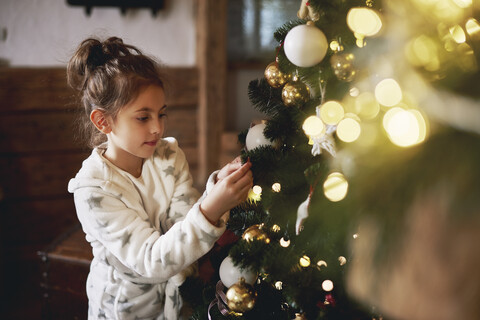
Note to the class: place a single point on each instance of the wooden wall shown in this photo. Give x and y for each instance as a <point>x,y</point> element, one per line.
<point>38,155</point>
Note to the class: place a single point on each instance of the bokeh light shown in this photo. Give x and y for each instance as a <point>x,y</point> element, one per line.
<point>327,285</point>
<point>366,106</point>
<point>304,261</point>
<point>331,112</point>
<point>348,130</point>
<point>364,21</point>
<point>388,92</point>
<point>335,187</point>
<point>276,187</point>
<point>313,126</point>
<point>405,128</point>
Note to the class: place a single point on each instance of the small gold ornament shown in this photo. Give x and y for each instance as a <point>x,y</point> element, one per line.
<point>295,93</point>
<point>241,297</point>
<point>275,77</point>
<point>300,316</point>
<point>342,65</point>
<point>255,232</point>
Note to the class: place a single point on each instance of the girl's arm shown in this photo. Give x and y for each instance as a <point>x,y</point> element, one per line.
<point>135,243</point>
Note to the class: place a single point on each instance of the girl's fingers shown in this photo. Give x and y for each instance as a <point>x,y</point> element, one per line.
<point>240,172</point>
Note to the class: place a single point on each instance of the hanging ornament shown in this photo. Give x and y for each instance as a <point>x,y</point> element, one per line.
<point>295,93</point>
<point>241,297</point>
<point>275,77</point>
<point>306,11</point>
<point>342,65</point>
<point>230,274</point>
<point>255,137</point>
<point>305,45</point>
<point>255,232</point>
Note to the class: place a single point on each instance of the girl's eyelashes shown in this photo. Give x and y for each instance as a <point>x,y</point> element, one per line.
<point>146,118</point>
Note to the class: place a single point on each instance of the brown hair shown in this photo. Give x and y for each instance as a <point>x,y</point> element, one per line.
<point>108,75</point>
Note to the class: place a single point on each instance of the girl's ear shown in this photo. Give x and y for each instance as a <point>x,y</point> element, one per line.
<point>100,121</point>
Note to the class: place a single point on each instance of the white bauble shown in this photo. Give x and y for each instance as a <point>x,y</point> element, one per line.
<point>230,274</point>
<point>305,45</point>
<point>255,137</point>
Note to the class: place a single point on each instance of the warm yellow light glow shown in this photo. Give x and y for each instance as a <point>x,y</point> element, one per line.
<point>321,263</point>
<point>366,106</point>
<point>354,92</point>
<point>304,261</point>
<point>473,29</point>
<point>253,197</point>
<point>284,243</point>
<point>364,21</point>
<point>342,260</point>
<point>355,236</point>
<point>279,285</point>
<point>276,187</point>
<point>327,285</point>
<point>336,46</point>
<point>422,125</point>
<point>402,127</point>
<point>388,92</point>
<point>331,112</point>
<point>467,59</point>
<point>423,52</point>
<point>313,126</point>
<point>348,130</point>
<point>276,228</point>
<point>463,3</point>
<point>458,34</point>
<point>257,189</point>
<point>335,187</point>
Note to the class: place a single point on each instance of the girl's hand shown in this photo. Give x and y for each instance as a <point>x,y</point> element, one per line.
<point>227,193</point>
<point>229,168</point>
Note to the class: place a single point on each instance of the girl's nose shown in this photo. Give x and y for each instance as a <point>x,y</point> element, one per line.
<point>157,126</point>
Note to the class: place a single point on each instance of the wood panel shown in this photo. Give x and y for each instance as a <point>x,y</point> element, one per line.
<point>54,131</point>
<point>212,74</point>
<point>51,91</point>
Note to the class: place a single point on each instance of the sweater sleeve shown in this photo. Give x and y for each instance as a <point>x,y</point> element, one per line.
<point>135,243</point>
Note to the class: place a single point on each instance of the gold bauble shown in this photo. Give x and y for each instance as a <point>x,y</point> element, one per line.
<point>255,232</point>
<point>295,93</point>
<point>241,297</point>
<point>342,65</point>
<point>275,77</point>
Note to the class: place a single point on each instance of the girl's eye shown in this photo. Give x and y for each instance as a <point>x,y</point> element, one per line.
<point>143,119</point>
<point>162,115</point>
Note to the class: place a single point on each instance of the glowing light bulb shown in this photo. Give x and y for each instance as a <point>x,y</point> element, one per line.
<point>313,126</point>
<point>331,112</point>
<point>364,21</point>
<point>304,261</point>
<point>335,187</point>
<point>402,127</point>
<point>276,228</point>
<point>354,92</point>
<point>257,189</point>
<point>279,285</point>
<point>348,130</point>
<point>388,92</point>
<point>284,243</point>
<point>276,187</point>
<point>342,260</point>
<point>473,28</point>
<point>327,285</point>
<point>321,263</point>
<point>458,34</point>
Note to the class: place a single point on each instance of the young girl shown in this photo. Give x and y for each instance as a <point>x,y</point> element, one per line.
<point>133,194</point>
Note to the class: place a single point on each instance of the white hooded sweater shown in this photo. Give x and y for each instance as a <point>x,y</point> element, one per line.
<point>145,233</point>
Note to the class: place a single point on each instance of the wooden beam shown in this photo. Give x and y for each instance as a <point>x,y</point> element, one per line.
<point>212,72</point>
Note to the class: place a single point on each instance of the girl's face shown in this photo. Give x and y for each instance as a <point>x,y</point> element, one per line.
<point>137,129</point>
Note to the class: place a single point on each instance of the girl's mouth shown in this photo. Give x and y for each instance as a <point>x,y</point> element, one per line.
<point>151,143</point>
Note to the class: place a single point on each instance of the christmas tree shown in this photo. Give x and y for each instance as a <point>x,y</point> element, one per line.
<point>369,106</point>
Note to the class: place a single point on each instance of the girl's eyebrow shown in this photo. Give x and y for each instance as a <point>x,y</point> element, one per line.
<point>147,109</point>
